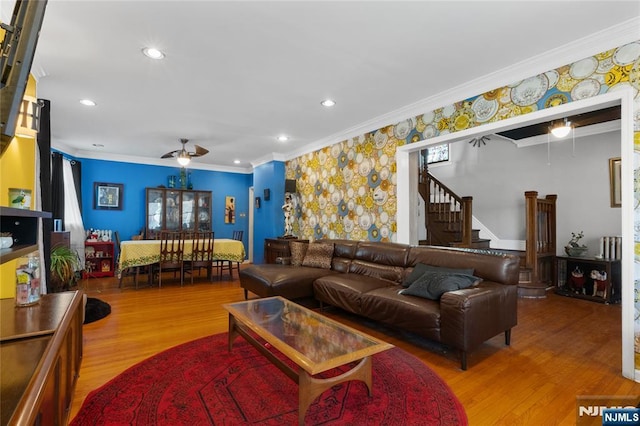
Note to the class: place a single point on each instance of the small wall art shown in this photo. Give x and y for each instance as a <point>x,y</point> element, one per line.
<point>230,209</point>
<point>615,179</point>
<point>107,196</point>
<point>20,198</point>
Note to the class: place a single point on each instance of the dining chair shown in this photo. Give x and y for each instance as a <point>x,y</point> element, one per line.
<point>201,253</point>
<point>126,272</point>
<point>171,255</point>
<point>228,265</point>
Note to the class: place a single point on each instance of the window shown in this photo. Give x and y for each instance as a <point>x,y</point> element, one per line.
<point>438,153</point>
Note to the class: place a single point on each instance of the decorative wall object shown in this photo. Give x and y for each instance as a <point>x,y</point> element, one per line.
<point>107,196</point>
<point>615,178</point>
<point>20,198</point>
<point>267,194</point>
<point>230,210</point>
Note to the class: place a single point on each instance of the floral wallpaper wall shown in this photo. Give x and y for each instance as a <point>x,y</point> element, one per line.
<point>348,190</point>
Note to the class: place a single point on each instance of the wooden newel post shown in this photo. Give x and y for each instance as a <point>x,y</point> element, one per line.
<point>467,221</point>
<point>531,198</point>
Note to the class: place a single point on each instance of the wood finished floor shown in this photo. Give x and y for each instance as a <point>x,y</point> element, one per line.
<point>561,348</point>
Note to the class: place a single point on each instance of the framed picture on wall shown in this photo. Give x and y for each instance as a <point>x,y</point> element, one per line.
<point>107,196</point>
<point>20,198</point>
<point>230,209</point>
<point>615,179</point>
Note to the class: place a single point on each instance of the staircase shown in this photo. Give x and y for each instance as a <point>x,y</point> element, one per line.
<point>447,216</point>
<point>448,219</point>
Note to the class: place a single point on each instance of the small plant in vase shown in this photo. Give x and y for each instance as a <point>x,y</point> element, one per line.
<point>573,247</point>
<point>64,266</point>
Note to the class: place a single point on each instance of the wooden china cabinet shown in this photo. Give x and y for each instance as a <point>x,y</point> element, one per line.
<point>177,210</point>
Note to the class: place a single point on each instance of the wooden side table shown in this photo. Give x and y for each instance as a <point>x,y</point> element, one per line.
<point>590,286</point>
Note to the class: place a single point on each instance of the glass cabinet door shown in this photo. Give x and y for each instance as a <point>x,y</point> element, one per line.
<point>172,214</point>
<point>204,211</point>
<point>155,202</point>
<point>188,211</point>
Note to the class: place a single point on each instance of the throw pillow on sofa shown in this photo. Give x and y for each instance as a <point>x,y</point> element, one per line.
<point>318,255</point>
<point>421,268</point>
<point>432,285</point>
<point>298,251</point>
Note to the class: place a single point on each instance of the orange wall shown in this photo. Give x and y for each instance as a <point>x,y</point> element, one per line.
<point>17,170</point>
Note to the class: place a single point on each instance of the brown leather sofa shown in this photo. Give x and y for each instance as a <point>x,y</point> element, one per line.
<point>365,279</point>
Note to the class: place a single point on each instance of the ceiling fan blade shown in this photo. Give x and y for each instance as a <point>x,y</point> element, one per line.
<point>199,151</point>
<point>170,154</point>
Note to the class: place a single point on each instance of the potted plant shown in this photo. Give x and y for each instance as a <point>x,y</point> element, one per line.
<point>64,263</point>
<point>573,247</point>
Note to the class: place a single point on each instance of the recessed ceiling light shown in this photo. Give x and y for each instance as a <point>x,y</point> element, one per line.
<point>153,53</point>
<point>236,161</point>
<point>87,102</point>
<point>328,103</point>
<point>283,138</point>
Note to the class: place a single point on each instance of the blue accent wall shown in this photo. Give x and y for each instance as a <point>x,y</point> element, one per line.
<point>268,219</point>
<point>136,177</point>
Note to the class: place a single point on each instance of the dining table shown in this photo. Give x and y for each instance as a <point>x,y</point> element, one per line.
<point>135,253</point>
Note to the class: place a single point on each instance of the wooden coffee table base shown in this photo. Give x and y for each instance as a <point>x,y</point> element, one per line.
<point>309,387</point>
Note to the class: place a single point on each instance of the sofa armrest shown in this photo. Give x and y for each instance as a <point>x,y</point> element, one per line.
<point>473,315</point>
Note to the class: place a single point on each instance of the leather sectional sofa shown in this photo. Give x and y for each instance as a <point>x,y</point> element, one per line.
<point>366,278</point>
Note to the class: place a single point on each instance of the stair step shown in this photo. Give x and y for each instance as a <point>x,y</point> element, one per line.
<point>533,290</point>
<point>478,243</point>
<point>525,275</point>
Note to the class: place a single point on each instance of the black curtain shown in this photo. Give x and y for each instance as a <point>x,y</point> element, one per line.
<point>76,170</point>
<point>44,151</point>
<point>57,186</point>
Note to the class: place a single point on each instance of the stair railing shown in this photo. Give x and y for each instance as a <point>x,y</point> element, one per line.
<point>446,206</point>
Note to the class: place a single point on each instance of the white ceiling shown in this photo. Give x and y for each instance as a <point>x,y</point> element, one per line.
<point>238,73</point>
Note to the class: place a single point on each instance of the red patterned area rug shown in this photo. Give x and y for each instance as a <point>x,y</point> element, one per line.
<point>201,383</point>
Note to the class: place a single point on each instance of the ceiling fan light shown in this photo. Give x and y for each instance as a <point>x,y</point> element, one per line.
<point>183,158</point>
<point>561,130</point>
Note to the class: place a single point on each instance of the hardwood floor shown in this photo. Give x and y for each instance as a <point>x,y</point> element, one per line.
<point>562,348</point>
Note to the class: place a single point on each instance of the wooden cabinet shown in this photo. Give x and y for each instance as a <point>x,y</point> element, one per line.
<point>61,239</point>
<point>588,278</point>
<point>23,225</point>
<point>41,352</point>
<point>277,247</point>
<point>99,259</point>
<point>177,210</point>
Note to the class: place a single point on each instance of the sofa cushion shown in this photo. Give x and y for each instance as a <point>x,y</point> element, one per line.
<point>319,255</point>
<point>345,290</point>
<point>288,281</point>
<point>421,268</point>
<point>432,285</point>
<point>412,314</point>
<point>298,251</point>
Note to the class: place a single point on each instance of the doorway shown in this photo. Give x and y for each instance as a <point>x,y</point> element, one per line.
<point>407,158</point>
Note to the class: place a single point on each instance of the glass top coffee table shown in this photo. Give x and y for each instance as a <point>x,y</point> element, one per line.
<point>312,341</point>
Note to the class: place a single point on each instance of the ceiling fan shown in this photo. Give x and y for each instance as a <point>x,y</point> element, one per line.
<point>183,155</point>
<point>482,140</point>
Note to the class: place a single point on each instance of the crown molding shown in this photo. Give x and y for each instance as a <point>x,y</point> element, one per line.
<point>274,156</point>
<point>193,165</point>
<point>609,38</point>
